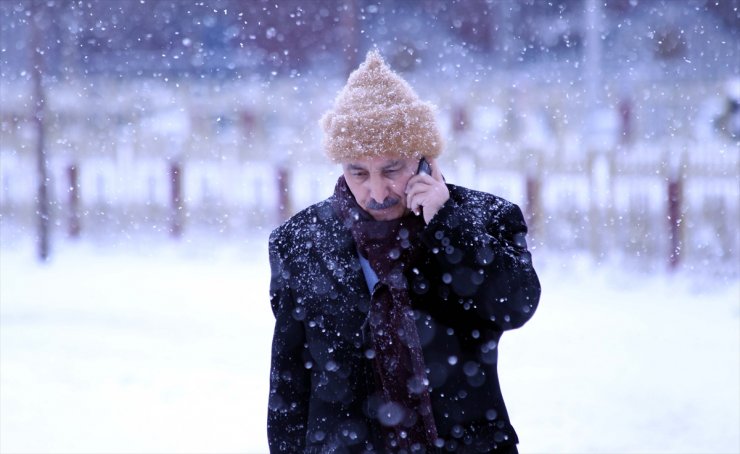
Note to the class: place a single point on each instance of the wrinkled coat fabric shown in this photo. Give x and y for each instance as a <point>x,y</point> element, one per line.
<point>473,280</point>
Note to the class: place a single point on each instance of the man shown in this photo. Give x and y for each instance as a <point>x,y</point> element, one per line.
<point>390,297</point>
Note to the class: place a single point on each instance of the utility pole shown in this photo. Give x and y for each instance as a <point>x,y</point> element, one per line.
<point>593,48</point>
<point>597,157</point>
<point>350,34</point>
<point>38,17</point>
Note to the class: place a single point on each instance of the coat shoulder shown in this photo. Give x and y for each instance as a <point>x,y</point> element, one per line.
<point>305,226</point>
<point>483,204</point>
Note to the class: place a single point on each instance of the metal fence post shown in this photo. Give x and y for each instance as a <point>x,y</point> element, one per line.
<point>532,210</point>
<point>176,200</point>
<point>283,186</point>
<point>73,227</point>
<point>675,200</point>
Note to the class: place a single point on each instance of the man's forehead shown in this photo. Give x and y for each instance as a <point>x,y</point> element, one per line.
<point>374,162</point>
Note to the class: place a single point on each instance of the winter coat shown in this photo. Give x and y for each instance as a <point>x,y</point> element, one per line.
<point>473,281</point>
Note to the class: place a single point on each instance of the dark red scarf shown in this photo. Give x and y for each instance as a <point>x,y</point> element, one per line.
<point>389,246</point>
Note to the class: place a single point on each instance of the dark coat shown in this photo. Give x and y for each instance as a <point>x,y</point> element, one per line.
<point>473,281</point>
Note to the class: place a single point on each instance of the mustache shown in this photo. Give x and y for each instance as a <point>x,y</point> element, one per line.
<point>387,203</point>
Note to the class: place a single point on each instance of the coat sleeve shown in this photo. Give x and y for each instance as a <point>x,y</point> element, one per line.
<point>485,265</point>
<point>289,380</point>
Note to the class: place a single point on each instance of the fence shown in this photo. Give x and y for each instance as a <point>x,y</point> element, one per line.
<point>651,205</point>
<point>212,158</point>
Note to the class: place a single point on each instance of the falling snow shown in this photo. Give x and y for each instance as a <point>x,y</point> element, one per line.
<point>147,147</point>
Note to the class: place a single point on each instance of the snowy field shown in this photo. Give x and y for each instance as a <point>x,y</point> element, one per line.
<point>164,347</point>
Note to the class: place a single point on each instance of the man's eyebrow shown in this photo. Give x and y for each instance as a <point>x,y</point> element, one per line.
<point>355,167</point>
<point>393,163</point>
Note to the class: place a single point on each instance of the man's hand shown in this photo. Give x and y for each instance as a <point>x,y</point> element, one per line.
<point>428,192</point>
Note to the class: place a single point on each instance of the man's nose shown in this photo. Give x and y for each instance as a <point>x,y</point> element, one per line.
<point>378,189</point>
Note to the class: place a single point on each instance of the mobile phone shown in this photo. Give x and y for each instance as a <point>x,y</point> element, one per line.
<point>424,167</point>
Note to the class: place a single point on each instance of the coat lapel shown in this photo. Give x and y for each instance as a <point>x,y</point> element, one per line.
<point>339,256</point>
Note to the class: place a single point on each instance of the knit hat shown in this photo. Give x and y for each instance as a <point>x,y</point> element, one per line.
<point>378,113</point>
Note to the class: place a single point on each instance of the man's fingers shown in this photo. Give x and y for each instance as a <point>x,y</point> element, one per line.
<point>436,173</point>
<point>415,189</point>
<point>416,203</point>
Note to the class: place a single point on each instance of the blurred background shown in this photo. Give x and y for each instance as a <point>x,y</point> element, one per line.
<point>614,124</point>
<point>147,148</point>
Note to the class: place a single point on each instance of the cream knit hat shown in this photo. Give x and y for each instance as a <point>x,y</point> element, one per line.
<point>377,113</point>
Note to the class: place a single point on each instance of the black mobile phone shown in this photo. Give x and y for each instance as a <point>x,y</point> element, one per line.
<point>424,167</point>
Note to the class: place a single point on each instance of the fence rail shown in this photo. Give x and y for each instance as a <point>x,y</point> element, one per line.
<point>658,211</point>
<point>660,185</point>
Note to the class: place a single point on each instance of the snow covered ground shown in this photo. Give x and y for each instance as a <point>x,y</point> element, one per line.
<point>152,347</point>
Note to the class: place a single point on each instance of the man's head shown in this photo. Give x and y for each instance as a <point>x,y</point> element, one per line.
<point>378,129</point>
<point>379,184</point>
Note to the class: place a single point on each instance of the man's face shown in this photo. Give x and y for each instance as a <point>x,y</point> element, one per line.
<point>379,184</point>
